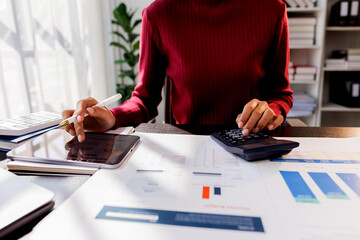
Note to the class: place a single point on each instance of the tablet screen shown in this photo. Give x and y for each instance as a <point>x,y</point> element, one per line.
<point>58,145</point>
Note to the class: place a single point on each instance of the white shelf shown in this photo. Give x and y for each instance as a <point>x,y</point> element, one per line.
<point>302,82</point>
<point>333,107</point>
<point>336,37</point>
<point>304,46</point>
<point>344,29</point>
<point>310,9</point>
<point>309,54</point>
<point>339,69</point>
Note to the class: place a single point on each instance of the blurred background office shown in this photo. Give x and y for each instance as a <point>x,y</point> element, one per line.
<point>55,52</point>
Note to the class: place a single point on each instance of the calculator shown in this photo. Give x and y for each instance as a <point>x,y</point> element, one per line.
<point>253,146</point>
<point>30,123</point>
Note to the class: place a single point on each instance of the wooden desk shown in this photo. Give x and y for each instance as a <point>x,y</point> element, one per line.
<point>284,131</point>
<point>63,187</point>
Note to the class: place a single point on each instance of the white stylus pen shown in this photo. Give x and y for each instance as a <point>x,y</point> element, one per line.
<point>103,103</point>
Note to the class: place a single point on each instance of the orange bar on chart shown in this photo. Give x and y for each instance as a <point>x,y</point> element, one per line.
<point>206,192</point>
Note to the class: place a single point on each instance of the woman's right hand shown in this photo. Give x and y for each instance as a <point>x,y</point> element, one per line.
<point>99,120</point>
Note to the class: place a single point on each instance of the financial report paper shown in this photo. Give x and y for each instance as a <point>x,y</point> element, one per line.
<point>186,186</point>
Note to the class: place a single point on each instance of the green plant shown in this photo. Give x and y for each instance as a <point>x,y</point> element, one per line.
<point>123,19</point>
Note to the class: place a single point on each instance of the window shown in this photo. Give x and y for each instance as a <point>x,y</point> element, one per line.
<point>47,55</point>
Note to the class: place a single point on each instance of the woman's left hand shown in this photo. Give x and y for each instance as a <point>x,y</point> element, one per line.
<point>256,116</point>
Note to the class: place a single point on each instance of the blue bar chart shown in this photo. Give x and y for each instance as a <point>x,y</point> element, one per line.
<point>327,185</point>
<point>352,180</point>
<point>298,187</point>
<point>297,160</point>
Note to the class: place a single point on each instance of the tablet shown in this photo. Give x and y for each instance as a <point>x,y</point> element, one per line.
<point>100,150</point>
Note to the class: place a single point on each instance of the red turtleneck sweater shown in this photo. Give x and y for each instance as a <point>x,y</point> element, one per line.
<point>219,54</point>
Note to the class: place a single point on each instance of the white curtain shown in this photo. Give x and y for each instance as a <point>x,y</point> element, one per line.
<point>52,53</point>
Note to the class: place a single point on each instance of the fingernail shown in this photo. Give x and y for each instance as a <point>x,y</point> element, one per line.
<point>79,138</point>
<point>245,132</point>
<point>72,133</point>
<point>256,130</point>
<point>90,110</point>
<point>271,127</point>
<point>78,118</point>
<point>241,124</point>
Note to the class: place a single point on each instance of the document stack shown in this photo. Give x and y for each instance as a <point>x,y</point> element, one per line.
<point>16,131</point>
<point>338,59</point>
<point>291,71</point>
<point>353,58</point>
<point>302,73</point>
<point>344,58</point>
<point>302,31</point>
<point>300,3</point>
<point>336,63</point>
<point>304,105</point>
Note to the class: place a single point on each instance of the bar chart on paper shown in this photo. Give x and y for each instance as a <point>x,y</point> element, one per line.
<point>298,187</point>
<point>302,192</point>
<point>352,180</point>
<point>328,186</point>
<point>320,157</point>
<point>207,191</point>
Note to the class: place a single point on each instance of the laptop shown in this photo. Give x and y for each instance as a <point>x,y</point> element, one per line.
<point>20,202</point>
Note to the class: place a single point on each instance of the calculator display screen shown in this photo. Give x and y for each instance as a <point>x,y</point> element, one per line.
<point>58,145</point>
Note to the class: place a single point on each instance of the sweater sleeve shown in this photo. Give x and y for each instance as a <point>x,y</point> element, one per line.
<point>142,106</point>
<point>275,87</point>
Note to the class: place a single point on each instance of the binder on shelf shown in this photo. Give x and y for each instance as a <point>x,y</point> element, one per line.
<point>345,92</point>
<point>354,13</point>
<point>345,13</point>
<point>339,13</point>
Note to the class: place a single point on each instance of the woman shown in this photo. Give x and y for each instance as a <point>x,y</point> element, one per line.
<point>227,61</point>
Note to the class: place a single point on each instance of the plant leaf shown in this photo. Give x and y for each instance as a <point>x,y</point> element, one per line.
<point>136,46</point>
<point>119,45</point>
<point>115,22</point>
<point>137,22</point>
<point>127,73</point>
<point>130,59</point>
<point>133,36</point>
<point>131,14</point>
<point>119,35</point>
<point>119,61</point>
<point>122,17</point>
<point>137,58</point>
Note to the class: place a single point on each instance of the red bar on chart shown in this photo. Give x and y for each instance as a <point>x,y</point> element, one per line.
<point>206,192</point>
